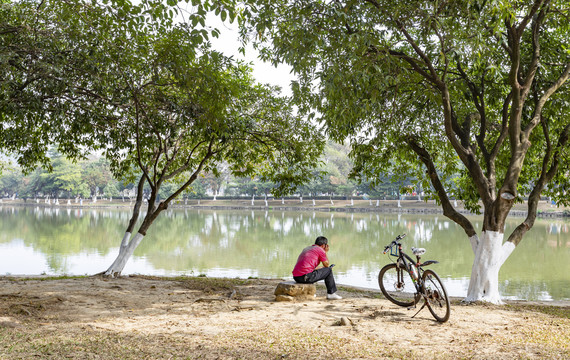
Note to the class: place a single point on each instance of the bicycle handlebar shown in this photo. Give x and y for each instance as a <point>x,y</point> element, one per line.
<point>394,242</point>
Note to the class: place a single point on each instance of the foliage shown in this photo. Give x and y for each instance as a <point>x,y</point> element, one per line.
<point>60,60</point>
<point>474,89</point>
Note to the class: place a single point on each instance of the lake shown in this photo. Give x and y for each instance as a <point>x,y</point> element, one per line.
<point>265,244</point>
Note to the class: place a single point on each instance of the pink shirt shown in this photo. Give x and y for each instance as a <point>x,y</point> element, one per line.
<point>309,259</point>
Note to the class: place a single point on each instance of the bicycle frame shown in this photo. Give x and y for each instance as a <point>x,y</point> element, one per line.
<point>408,262</point>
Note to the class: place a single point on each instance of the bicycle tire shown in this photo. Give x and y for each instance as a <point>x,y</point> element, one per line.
<point>436,296</point>
<point>404,292</point>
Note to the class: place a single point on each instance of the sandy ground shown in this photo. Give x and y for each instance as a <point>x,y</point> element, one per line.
<point>199,318</point>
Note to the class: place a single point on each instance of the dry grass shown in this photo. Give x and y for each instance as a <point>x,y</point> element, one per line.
<point>204,318</point>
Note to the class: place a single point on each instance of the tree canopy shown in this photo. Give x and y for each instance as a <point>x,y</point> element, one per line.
<point>458,87</point>
<point>60,63</point>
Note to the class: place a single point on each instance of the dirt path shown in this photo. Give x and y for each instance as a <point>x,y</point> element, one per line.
<point>200,318</point>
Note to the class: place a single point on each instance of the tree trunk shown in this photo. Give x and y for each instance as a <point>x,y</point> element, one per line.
<point>490,255</point>
<point>125,252</point>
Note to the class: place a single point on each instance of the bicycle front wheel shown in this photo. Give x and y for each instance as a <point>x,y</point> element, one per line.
<point>436,296</point>
<point>397,286</point>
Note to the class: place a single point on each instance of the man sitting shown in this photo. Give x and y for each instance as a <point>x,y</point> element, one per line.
<point>306,272</point>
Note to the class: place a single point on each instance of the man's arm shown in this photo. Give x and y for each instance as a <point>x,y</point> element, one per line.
<point>326,263</point>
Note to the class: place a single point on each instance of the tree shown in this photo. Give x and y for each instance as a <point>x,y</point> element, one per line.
<point>475,88</point>
<point>11,182</point>
<point>97,175</point>
<point>185,110</point>
<point>111,190</point>
<point>64,179</point>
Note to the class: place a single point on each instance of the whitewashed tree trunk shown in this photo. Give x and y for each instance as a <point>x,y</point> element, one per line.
<point>377,202</point>
<point>126,250</point>
<point>490,255</point>
<point>399,205</point>
<point>282,201</point>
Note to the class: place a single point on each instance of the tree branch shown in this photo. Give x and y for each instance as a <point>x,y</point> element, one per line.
<point>544,98</point>
<point>546,175</point>
<point>448,209</point>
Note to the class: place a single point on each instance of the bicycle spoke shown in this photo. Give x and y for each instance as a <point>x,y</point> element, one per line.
<point>397,286</point>
<point>436,296</point>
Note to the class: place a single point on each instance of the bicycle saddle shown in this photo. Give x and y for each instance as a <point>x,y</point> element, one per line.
<point>418,251</point>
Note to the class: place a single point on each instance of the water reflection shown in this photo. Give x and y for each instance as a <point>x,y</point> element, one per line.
<point>36,240</point>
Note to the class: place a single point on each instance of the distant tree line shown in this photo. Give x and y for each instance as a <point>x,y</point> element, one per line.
<point>92,177</point>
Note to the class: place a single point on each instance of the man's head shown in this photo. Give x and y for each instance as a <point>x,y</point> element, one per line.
<point>321,240</point>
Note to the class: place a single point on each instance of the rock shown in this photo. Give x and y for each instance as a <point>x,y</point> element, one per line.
<point>291,291</point>
<point>343,321</point>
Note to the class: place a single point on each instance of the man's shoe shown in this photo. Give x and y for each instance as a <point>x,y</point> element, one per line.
<point>334,296</point>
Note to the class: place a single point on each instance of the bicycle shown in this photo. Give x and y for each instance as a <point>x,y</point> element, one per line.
<point>410,282</point>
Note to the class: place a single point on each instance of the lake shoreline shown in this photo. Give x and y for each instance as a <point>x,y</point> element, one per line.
<point>545,209</point>
<point>344,287</point>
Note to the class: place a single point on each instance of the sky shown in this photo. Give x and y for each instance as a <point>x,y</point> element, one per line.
<point>228,43</point>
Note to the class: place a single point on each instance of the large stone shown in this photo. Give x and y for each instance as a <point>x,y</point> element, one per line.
<point>292,291</point>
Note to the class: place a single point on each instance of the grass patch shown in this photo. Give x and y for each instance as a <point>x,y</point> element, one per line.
<point>44,278</point>
<point>211,284</point>
<point>202,282</point>
<point>557,311</point>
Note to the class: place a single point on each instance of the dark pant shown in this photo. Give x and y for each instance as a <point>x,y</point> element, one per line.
<point>319,274</point>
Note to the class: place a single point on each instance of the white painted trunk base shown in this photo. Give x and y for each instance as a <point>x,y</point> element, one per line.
<point>490,255</point>
<point>125,252</point>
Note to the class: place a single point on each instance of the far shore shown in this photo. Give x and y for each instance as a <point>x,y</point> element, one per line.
<point>410,205</point>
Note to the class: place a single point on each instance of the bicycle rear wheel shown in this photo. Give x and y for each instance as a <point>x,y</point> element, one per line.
<point>436,296</point>
<point>397,286</point>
